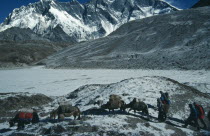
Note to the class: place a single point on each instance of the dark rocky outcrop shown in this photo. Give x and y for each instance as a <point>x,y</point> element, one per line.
<point>201,3</point>
<point>12,102</point>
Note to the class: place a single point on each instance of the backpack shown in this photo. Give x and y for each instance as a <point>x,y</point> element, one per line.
<point>163,98</point>
<point>167,100</point>
<point>200,111</point>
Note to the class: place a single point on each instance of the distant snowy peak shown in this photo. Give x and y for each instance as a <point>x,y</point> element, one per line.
<point>81,22</point>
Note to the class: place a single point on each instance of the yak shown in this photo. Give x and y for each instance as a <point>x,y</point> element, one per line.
<point>65,111</point>
<point>114,102</point>
<point>24,117</point>
<point>137,106</point>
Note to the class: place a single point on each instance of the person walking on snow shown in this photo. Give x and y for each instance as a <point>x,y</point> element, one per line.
<point>166,103</point>
<point>208,116</point>
<point>193,117</point>
<point>161,114</point>
<point>201,114</point>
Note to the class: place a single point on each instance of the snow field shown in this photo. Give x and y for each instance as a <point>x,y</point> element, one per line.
<point>145,88</point>
<point>58,82</point>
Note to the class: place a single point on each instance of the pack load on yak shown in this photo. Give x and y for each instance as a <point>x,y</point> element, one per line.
<point>115,102</point>
<point>63,102</point>
<point>114,97</point>
<point>24,116</point>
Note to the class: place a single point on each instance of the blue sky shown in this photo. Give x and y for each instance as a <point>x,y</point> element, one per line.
<point>7,6</point>
<point>182,4</point>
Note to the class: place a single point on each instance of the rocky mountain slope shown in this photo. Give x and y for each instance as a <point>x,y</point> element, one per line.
<point>23,53</point>
<point>201,3</point>
<point>177,40</point>
<point>96,121</point>
<point>94,19</point>
<point>21,46</point>
<point>20,34</point>
<point>26,34</point>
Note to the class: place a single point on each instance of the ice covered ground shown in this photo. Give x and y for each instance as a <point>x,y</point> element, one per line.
<point>97,122</point>
<point>57,82</point>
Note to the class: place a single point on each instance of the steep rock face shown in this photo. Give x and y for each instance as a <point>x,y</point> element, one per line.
<point>58,35</point>
<point>82,22</point>
<point>18,34</point>
<point>177,40</point>
<point>201,3</point>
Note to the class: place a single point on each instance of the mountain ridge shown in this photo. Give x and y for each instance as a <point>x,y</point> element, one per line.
<point>82,22</point>
<point>201,3</point>
<point>173,41</point>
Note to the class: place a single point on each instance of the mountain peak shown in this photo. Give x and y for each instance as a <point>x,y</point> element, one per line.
<point>92,20</point>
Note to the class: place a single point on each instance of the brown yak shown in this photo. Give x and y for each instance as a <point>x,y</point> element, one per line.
<point>137,106</point>
<point>114,102</point>
<point>65,111</point>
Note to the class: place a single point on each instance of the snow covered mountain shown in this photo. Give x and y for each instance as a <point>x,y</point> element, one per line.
<point>177,40</point>
<point>81,22</point>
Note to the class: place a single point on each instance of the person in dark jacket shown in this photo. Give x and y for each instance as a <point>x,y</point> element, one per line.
<point>201,114</point>
<point>164,98</point>
<point>161,114</point>
<point>193,117</point>
<point>35,118</point>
